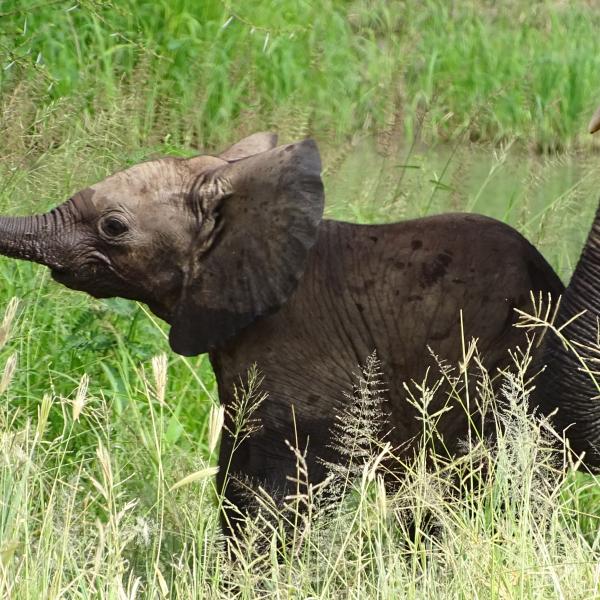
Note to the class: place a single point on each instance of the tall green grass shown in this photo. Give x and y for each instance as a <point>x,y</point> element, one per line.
<point>503,520</point>
<point>191,72</point>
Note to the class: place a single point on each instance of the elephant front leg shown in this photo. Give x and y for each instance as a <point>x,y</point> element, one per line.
<point>245,468</point>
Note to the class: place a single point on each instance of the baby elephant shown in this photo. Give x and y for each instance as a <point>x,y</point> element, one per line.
<point>233,253</point>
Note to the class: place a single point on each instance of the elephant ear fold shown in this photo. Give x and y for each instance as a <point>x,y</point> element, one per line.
<point>267,210</point>
<point>249,146</point>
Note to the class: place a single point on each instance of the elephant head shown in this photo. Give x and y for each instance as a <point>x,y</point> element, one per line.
<point>210,243</point>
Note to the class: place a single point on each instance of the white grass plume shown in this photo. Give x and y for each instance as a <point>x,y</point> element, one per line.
<point>359,427</point>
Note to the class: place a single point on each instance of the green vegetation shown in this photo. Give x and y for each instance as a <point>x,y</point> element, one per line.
<point>394,92</point>
<point>191,72</point>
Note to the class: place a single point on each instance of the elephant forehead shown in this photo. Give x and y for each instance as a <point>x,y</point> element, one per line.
<point>153,180</point>
<point>160,181</point>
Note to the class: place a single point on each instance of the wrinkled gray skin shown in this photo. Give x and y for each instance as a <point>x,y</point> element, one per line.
<point>233,253</point>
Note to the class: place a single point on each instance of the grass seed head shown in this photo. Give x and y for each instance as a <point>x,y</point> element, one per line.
<point>159,371</point>
<point>80,396</point>
<point>216,419</point>
<point>9,370</point>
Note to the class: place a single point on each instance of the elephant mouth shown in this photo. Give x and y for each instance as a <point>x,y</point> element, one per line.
<point>91,278</point>
<point>80,283</point>
<point>59,275</point>
<point>90,268</point>
<point>65,277</point>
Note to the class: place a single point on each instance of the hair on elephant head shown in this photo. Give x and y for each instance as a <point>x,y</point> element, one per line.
<point>210,243</point>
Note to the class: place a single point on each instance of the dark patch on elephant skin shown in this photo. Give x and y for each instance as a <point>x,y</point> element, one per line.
<point>434,271</point>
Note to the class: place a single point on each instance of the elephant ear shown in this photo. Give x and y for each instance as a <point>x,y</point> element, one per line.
<point>264,212</point>
<point>249,146</point>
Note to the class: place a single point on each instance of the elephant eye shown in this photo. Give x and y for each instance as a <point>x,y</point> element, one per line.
<point>113,226</point>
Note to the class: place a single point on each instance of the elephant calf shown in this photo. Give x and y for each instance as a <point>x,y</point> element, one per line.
<point>233,253</point>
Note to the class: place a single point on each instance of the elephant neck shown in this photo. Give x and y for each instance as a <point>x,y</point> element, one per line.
<point>288,344</point>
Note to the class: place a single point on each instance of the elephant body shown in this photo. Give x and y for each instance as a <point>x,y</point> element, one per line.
<point>232,252</point>
<point>395,289</point>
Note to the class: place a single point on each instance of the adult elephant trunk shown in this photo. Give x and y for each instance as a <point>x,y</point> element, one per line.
<point>571,383</point>
<point>38,238</point>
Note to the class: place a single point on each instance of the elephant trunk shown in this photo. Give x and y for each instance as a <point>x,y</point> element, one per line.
<point>38,238</point>
<point>571,382</point>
